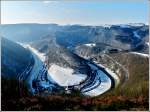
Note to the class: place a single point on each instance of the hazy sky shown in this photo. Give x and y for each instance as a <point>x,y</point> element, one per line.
<point>90,12</point>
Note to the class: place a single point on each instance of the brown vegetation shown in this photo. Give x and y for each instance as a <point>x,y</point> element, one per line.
<point>137,83</point>
<point>132,95</point>
<point>12,99</point>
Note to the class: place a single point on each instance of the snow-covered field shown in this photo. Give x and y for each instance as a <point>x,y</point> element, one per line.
<point>57,74</point>
<point>65,76</point>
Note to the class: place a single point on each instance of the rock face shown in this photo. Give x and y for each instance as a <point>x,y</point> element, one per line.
<point>15,59</point>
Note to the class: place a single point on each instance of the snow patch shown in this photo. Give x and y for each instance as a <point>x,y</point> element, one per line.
<point>131,24</point>
<point>65,76</point>
<point>39,54</point>
<point>107,26</point>
<point>124,26</point>
<point>141,54</point>
<point>136,24</point>
<point>90,45</point>
<point>136,35</point>
<point>147,43</point>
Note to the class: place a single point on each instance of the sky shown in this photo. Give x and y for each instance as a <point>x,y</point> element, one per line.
<point>89,12</point>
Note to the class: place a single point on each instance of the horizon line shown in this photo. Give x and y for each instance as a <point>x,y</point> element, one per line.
<point>79,24</point>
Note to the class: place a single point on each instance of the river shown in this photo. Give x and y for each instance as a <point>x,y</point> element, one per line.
<point>99,81</point>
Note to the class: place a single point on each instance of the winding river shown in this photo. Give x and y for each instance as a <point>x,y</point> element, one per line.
<point>98,82</point>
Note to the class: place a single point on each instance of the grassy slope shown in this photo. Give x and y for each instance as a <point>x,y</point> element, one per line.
<point>138,68</point>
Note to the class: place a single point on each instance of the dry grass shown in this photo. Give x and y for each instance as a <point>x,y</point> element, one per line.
<point>138,68</point>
